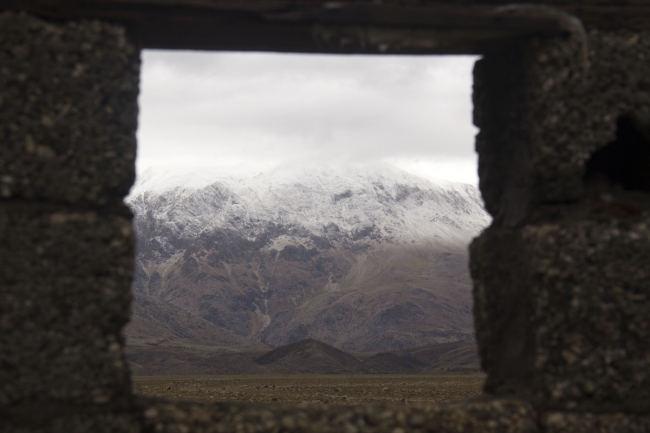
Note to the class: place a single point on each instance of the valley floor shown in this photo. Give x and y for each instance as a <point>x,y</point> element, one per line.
<point>314,389</point>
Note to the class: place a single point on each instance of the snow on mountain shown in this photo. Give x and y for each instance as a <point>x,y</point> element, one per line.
<point>363,257</point>
<point>379,199</point>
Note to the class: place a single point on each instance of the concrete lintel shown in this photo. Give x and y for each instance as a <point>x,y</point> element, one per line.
<point>300,26</point>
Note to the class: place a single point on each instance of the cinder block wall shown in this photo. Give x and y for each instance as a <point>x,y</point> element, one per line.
<point>68,116</point>
<point>562,287</point>
<point>562,298</point>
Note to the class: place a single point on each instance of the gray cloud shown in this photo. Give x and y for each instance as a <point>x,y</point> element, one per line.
<point>264,109</point>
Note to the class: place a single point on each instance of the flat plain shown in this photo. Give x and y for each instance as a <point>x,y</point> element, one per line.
<point>313,389</point>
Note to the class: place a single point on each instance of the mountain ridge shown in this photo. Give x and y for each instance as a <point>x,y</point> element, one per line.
<point>362,258</point>
<point>307,356</point>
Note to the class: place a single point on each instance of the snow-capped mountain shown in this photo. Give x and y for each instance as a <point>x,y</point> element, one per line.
<point>364,257</point>
<point>380,200</point>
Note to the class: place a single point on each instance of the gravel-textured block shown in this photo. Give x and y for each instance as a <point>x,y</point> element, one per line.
<point>65,297</point>
<point>483,415</point>
<point>591,296</point>
<point>503,309</point>
<point>68,419</point>
<point>68,110</point>
<point>563,422</point>
<point>46,241</point>
<point>579,337</point>
<point>544,110</point>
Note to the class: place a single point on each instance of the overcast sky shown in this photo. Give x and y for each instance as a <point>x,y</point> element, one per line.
<point>255,111</point>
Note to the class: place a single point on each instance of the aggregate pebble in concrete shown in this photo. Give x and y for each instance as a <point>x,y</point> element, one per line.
<point>544,110</point>
<point>590,287</point>
<point>577,333</point>
<point>65,297</point>
<point>481,415</point>
<point>68,110</point>
<point>68,419</point>
<point>52,241</point>
<point>572,422</point>
<point>561,288</point>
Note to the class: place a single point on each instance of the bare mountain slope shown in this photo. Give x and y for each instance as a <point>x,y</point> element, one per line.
<point>365,258</point>
<point>392,297</point>
<point>159,323</point>
<point>164,339</point>
<point>456,355</point>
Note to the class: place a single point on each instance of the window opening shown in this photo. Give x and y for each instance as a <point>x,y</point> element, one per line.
<point>364,270</point>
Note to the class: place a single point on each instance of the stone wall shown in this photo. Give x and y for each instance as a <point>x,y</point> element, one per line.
<point>562,296</point>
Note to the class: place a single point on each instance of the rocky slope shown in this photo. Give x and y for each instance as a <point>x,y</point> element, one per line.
<point>365,258</point>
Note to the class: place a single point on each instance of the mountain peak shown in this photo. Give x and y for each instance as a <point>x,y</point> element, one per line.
<point>378,198</point>
<point>310,355</point>
<point>163,178</point>
<point>364,257</point>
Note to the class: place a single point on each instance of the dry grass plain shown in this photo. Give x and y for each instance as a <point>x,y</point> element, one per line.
<point>313,389</point>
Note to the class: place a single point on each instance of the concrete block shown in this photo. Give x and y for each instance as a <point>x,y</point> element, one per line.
<point>54,241</point>
<point>65,298</point>
<point>545,109</point>
<point>68,110</point>
<point>503,307</point>
<point>591,290</point>
<point>563,422</point>
<point>488,415</point>
<point>563,313</point>
<point>68,419</point>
